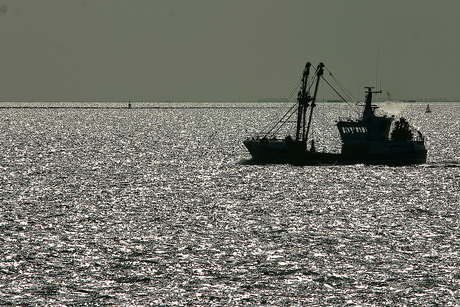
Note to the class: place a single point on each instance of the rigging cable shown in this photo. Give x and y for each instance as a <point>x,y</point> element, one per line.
<point>294,89</point>
<point>282,123</point>
<point>277,127</point>
<point>291,111</point>
<point>344,89</point>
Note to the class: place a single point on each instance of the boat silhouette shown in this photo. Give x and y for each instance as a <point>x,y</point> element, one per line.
<point>370,139</point>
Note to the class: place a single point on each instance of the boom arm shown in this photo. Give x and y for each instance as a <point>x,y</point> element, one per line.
<point>319,73</point>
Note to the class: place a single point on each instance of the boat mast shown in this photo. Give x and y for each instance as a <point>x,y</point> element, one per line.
<point>319,73</point>
<point>303,99</point>
<point>369,108</point>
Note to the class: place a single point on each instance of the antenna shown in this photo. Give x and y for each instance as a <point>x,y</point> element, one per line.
<point>377,70</point>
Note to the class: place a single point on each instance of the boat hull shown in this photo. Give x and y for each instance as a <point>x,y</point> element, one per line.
<point>280,152</point>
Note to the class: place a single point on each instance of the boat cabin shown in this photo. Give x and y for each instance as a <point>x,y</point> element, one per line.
<point>357,134</point>
<point>377,129</point>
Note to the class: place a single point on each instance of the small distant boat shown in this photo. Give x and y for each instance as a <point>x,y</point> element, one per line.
<point>428,110</point>
<point>365,140</point>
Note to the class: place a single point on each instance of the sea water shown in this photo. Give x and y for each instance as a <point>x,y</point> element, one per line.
<point>160,205</point>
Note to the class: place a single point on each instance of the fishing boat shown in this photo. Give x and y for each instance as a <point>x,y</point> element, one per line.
<point>428,110</point>
<point>370,139</point>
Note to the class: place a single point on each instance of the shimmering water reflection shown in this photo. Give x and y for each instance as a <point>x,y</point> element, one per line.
<point>162,207</point>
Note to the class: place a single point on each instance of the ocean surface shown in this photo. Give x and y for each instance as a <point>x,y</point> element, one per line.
<point>160,205</point>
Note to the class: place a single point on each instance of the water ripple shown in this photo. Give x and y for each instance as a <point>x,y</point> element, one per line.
<point>161,207</point>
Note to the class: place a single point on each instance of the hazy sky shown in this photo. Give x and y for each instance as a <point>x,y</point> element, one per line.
<point>216,50</point>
